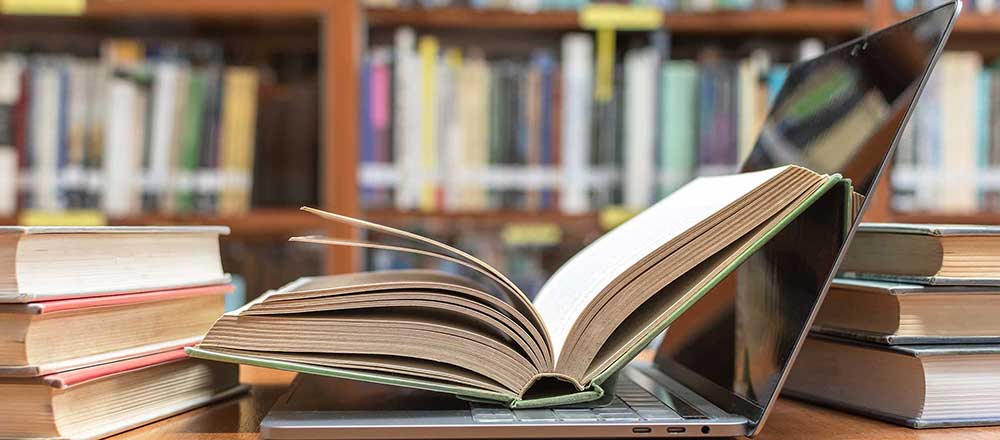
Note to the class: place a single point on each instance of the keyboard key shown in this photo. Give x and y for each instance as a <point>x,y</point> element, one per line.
<point>535,415</point>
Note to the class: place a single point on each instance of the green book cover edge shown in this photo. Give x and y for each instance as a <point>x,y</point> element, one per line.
<point>834,179</point>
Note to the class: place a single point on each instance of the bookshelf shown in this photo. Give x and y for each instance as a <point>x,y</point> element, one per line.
<point>343,29</point>
<point>338,46</point>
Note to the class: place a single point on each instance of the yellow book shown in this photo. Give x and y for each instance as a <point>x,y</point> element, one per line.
<point>428,49</point>
<point>239,114</point>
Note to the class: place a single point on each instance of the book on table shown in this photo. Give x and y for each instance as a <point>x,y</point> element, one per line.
<point>921,386</point>
<point>898,313</point>
<point>478,336</point>
<point>40,263</point>
<point>44,337</point>
<point>925,254</point>
<point>102,400</point>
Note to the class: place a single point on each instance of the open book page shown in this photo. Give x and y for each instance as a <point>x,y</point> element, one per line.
<point>564,297</point>
<point>518,299</point>
<point>413,290</point>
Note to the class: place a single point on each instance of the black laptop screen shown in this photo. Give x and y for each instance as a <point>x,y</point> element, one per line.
<point>839,113</point>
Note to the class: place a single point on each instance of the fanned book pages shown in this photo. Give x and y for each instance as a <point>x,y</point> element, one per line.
<point>479,337</point>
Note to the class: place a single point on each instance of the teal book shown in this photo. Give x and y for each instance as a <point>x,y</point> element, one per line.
<point>477,336</point>
<point>678,120</point>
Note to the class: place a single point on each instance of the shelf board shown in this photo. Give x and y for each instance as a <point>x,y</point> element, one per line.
<point>486,219</point>
<point>264,222</point>
<point>796,19</point>
<point>472,18</point>
<point>970,218</point>
<point>976,23</point>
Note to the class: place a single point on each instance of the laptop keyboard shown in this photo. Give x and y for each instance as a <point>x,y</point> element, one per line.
<point>631,403</point>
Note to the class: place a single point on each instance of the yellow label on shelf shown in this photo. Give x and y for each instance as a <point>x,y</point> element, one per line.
<point>43,7</point>
<point>531,234</point>
<point>612,216</point>
<point>620,17</point>
<point>80,217</point>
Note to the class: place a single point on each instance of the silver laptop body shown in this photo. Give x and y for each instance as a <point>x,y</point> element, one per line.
<point>720,366</point>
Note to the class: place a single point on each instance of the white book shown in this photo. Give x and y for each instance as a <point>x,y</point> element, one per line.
<point>11,68</point>
<point>406,113</point>
<point>44,135</point>
<point>640,117</point>
<point>449,156</point>
<point>577,92</point>
<point>161,137</point>
<point>121,154</point>
<point>960,71</point>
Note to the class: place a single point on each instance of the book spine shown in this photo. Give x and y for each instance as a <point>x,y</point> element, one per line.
<point>577,89</point>
<point>11,70</point>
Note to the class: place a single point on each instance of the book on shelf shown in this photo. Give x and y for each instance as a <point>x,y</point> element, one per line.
<point>40,263</point>
<point>594,315</point>
<point>946,158</point>
<point>533,133</point>
<point>921,386</point>
<point>145,127</point>
<point>899,313</point>
<point>102,400</point>
<point>40,338</point>
<point>926,254</point>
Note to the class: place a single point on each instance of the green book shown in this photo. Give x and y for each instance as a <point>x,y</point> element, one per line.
<point>189,157</point>
<point>678,113</point>
<point>478,336</point>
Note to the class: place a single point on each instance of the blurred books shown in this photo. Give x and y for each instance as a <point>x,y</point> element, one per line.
<point>143,127</point>
<point>459,129</point>
<point>93,326</point>
<point>948,155</point>
<point>911,336</point>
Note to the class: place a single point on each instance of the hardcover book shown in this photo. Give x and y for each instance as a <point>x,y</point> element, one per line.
<point>897,313</point>
<point>952,255</point>
<point>921,386</point>
<point>480,338</point>
<point>102,400</point>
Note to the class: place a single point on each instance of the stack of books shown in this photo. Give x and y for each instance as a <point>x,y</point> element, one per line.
<point>93,323</point>
<point>910,332</point>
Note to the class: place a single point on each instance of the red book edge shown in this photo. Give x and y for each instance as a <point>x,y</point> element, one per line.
<point>61,305</point>
<point>76,377</point>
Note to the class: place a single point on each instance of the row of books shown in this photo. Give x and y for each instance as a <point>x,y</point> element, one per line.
<point>907,335</point>
<point>911,6</point>
<point>948,154</point>
<point>93,342</point>
<point>450,130</point>
<point>543,5</point>
<point>136,129</point>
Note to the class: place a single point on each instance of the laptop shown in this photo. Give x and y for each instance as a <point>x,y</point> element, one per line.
<point>720,366</point>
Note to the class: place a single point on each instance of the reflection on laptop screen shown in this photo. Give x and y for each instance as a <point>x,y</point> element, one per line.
<point>838,113</point>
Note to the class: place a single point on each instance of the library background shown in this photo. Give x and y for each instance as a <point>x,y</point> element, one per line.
<point>518,130</point>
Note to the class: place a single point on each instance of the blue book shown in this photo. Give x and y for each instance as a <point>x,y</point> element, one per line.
<point>775,79</point>
<point>904,5</point>
<point>545,63</point>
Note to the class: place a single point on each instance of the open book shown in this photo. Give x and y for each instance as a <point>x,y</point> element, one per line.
<point>479,337</point>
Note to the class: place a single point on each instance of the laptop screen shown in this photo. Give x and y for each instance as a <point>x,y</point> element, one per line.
<point>838,113</point>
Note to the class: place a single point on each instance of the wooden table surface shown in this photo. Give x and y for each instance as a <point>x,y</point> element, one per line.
<point>239,417</point>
